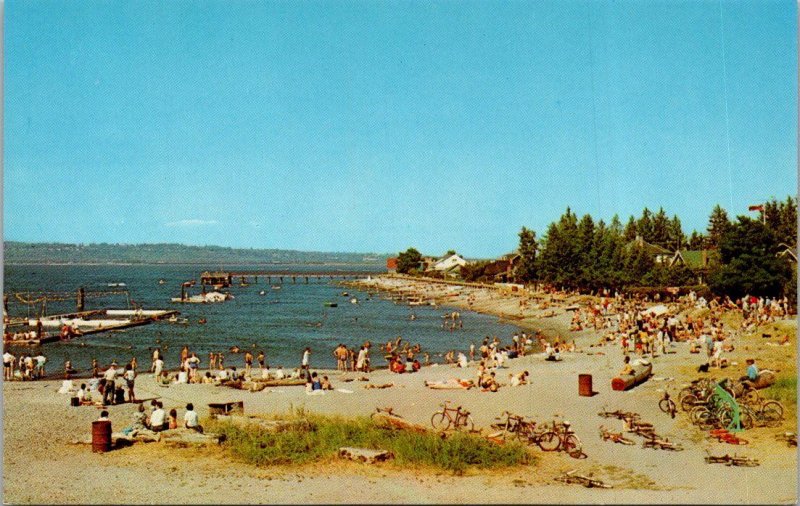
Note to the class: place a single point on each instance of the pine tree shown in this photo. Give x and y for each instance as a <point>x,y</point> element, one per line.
<point>660,234</point>
<point>526,269</point>
<point>631,231</point>
<point>718,225</point>
<point>696,241</point>
<point>676,238</point>
<point>644,226</point>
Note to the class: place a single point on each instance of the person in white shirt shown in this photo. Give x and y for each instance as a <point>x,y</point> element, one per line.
<point>40,361</point>
<point>279,373</point>
<point>190,419</point>
<point>157,418</point>
<point>108,392</point>
<point>158,366</point>
<point>306,358</point>
<point>8,365</point>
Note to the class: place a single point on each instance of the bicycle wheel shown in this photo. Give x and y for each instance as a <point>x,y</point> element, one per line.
<point>572,445</point>
<point>666,405</point>
<point>439,421</point>
<point>746,418</point>
<point>688,402</point>
<point>467,422</point>
<point>549,441</point>
<point>684,392</point>
<point>751,397</point>
<point>694,414</point>
<point>772,412</point>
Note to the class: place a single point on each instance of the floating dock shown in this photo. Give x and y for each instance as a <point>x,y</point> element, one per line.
<point>92,322</point>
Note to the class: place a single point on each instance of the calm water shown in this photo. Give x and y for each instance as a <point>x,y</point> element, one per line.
<point>281,322</point>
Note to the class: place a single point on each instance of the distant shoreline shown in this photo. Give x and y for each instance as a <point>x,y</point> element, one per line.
<point>331,264</point>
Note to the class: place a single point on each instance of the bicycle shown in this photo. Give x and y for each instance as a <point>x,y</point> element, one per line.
<point>561,438</point>
<point>513,424</point>
<point>455,417</point>
<point>667,405</point>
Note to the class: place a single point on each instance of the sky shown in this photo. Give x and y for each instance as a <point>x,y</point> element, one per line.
<point>374,126</point>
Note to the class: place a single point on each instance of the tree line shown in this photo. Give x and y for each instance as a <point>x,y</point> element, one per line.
<point>743,253</point>
<point>741,256</point>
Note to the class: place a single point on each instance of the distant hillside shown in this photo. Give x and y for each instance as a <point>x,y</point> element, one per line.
<point>55,253</point>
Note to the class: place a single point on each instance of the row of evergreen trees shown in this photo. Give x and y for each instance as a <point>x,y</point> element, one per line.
<point>587,255</point>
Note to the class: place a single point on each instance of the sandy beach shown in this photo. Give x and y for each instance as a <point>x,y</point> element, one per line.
<point>41,465</point>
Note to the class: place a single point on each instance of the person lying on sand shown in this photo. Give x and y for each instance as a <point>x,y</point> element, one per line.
<point>450,384</point>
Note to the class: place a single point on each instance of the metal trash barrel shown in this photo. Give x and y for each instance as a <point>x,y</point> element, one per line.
<point>101,436</point>
<point>74,401</point>
<point>585,385</point>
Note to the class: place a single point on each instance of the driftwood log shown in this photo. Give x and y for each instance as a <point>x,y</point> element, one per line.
<point>364,454</point>
<point>640,374</point>
<point>392,421</point>
<point>188,437</point>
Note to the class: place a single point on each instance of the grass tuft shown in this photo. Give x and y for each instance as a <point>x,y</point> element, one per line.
<point>314,438</point>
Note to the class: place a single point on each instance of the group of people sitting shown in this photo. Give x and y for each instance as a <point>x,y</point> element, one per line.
<point>316,384</point>
<point>158,420</point>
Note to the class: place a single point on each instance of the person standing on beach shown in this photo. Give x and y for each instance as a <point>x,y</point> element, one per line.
<point>306,358</point>
<point>184,355</point>
<point>248,362</point>
<point>156,356</point>
<point>212,361</point>
<point>158,366</point>
<point>8,365</point>
<point>130,377</point>
<point>261,361</point>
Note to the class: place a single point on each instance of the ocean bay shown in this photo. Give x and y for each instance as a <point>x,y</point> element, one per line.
<point>281,322</point>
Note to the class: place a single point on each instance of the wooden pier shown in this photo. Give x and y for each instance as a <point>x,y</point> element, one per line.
<point>228,278</point>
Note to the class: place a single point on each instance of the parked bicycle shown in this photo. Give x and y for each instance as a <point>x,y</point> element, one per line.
<point>561,437</point>
<point>452,417</point>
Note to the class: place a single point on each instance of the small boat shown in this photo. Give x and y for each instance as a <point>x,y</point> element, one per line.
<point>175,319</point>
<point>331,304</point>
<point>262,292</point>
<point>117,285</point>
<point>244,284</point>
<point>354,300</point>
<point>345,294</point>
<point>202,321</point>
<point>162,281</point>
<point>276,287</point>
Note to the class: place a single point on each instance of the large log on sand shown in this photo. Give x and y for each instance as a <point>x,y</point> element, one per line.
<point>765,379</point>
<point>640,374</point>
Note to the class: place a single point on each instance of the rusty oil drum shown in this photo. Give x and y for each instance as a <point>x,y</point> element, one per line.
<point>585,385</point>
<point>101,436</point>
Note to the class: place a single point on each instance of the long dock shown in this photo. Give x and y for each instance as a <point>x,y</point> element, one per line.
<point>227,278</point>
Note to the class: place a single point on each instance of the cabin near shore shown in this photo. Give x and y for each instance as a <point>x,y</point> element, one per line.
<point>700,262</point>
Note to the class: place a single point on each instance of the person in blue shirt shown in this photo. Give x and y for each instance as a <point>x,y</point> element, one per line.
<point>751,373</point>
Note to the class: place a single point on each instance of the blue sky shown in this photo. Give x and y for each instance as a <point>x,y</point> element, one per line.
<point>376,125</point>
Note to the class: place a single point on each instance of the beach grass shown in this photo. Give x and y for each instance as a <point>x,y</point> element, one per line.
<point>314,438</point>
<point>783,390</point>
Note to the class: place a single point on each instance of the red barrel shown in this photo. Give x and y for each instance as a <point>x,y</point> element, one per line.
<point>585,385</point>
<point>101,436</point>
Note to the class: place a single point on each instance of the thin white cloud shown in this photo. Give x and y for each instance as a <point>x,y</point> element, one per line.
<point>190,223</point>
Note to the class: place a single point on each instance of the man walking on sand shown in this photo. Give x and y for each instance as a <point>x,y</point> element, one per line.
<point>306,358</point>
